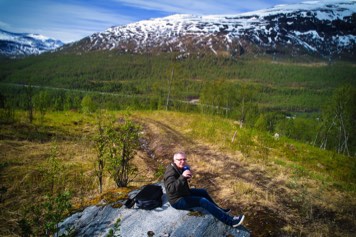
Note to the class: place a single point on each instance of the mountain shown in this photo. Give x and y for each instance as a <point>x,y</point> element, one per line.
<point>22,44</point>
<point>320,28</point>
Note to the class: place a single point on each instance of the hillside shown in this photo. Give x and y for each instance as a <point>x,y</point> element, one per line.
<point>282,186</point>
<point>306,86</point>
<point>263,103</point>
<point>294,99</point>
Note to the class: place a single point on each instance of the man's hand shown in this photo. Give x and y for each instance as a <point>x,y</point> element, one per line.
<point>187,174</point>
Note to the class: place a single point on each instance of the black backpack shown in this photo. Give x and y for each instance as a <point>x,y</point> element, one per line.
<point>149,197</point>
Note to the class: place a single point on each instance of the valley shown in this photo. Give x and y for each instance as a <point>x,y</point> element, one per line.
<point>263,103</point>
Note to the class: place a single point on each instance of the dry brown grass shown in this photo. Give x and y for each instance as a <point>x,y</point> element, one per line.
<point>262,183</point>
<point>276,199</point>
<point>25,162</point>
<point>23,175</point>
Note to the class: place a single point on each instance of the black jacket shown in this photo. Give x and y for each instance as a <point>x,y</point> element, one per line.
<point>175,183</point>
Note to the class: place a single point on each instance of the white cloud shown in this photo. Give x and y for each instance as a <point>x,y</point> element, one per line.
<point>69,20</point>
<point>65,21</point>
<point>200,7</point>
<point>72,20</point>
<point>4,25</point>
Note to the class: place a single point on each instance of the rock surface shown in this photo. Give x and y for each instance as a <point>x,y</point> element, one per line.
<point>160,222</point>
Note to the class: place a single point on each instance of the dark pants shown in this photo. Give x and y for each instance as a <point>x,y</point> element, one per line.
<point>201,198</point>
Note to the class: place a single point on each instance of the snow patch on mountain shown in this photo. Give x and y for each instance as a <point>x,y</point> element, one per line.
<point>22,44</point>
<point>323,28</point>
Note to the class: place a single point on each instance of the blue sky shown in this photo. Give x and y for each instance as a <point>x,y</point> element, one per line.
<point>72,20</point>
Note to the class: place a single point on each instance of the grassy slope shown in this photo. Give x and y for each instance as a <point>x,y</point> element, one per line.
<point>281,185</point>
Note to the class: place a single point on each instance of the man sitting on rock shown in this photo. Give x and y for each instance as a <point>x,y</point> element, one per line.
<point>181,197</point>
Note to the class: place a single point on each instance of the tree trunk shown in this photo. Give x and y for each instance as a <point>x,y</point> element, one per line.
<point>169,88</point>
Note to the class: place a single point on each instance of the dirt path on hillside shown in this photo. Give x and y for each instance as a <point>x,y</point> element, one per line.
<point>226,176</point>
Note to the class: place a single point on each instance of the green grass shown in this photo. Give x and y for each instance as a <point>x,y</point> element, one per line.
<point>25,150</point>
<point>306,160</point>
<point>138,83</point>
<point>308,181</point>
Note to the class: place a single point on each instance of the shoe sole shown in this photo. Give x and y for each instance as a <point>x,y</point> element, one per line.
<point>242,219</point>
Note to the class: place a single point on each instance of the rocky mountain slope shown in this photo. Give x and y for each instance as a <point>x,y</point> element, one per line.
<point>320,28</point>
<point>22,44</point>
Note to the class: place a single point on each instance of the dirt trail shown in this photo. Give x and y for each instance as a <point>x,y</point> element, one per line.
<point>218,172</point>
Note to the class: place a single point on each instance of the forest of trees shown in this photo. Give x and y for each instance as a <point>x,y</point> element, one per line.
<point>293,100</point>
<point>333,128</point>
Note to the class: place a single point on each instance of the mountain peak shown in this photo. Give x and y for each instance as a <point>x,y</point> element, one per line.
<point>23,44</point>
<point>318,28</point>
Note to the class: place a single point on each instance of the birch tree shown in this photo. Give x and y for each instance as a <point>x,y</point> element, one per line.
<point>339,118</point>
<point>123,141</point>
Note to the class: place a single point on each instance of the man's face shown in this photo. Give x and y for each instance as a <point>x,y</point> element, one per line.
<point>180,161</point>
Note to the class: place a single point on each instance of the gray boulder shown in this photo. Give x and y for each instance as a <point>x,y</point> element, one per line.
<point>165,221</point>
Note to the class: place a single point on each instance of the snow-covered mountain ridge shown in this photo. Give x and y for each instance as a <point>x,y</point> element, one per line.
<point>18,45</point>
<point>322,28</point>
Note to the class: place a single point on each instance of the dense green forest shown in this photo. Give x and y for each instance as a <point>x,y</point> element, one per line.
<point>312,101</point>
